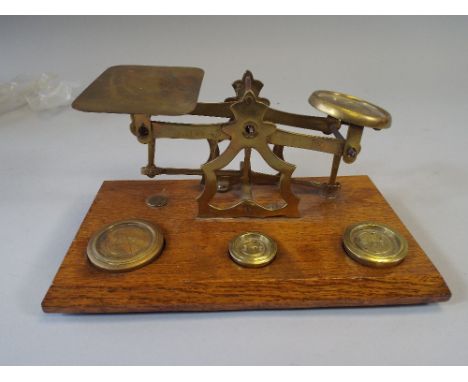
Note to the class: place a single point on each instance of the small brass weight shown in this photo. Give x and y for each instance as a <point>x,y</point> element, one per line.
<point>145,92</point>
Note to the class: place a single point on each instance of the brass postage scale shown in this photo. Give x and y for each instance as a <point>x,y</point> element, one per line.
<point>238,239</point>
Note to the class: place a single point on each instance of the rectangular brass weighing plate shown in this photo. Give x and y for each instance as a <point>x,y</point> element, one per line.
<point>195,272</point>
<point>136,89</point>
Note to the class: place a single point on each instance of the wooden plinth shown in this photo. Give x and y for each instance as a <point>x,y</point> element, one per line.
<point>195,272</point>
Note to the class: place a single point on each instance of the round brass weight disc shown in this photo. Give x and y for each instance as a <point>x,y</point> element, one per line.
<point>252,249</point>
<point>375,245</point>
<point>350,109</point>
<point>156,201</point>
<point>125,245</point>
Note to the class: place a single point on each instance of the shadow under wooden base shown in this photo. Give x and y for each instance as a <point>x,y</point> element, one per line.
<point>195,272</point>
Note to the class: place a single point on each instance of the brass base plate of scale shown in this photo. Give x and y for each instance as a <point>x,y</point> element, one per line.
<point>195,272</point>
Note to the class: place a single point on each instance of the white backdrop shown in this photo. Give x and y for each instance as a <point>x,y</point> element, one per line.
<point>52,164</point>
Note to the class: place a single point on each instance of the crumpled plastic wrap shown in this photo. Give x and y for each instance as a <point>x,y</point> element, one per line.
<point>44,92</point>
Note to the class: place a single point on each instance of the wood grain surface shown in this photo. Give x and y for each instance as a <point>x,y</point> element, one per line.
<point>195,272</point>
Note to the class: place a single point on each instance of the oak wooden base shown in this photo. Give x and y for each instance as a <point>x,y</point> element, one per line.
<point>195,272</point>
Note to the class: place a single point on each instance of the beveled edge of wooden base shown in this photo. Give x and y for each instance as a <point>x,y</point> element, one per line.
<point>219,297</point>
